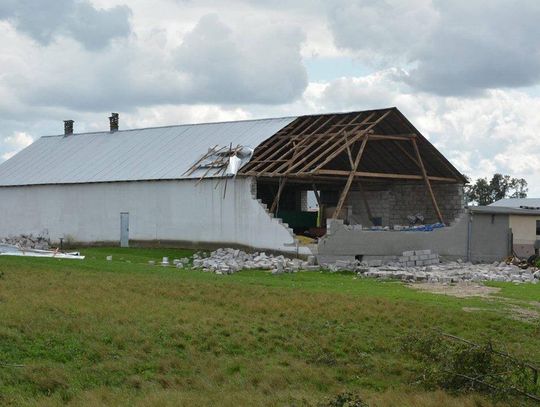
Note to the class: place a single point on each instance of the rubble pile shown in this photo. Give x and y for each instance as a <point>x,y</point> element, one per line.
<point>28,241</point>
<point>416,269</point>
<point>228,261</point>
<point>419,258</point>
<point>450,272</point>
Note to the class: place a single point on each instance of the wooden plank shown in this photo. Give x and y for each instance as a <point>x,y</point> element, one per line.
<point>365,174</point>
<point>375,137</point>
<point>426,179</point>
<point>275,204</point>
<point>327,151</point>
<point>284,148</point>
<point>305,157</point>
<point>194,167</point>
<point>348,184</point>
<point>406,153</point>
<point>268,152</point>
<point>354,139</point>
<point>312,124</point>
<point>330,118</point>
<point>300,147</point>
<point>349,152</point>
<point>270,145</point>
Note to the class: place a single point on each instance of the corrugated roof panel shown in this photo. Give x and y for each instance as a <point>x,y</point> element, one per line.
<point>517,202</point>
<point>130,155</point>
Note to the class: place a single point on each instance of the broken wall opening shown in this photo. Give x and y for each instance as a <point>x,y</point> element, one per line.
<point>370,204</point>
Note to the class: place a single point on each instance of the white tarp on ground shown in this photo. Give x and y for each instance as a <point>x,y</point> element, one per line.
<point>10,250</point>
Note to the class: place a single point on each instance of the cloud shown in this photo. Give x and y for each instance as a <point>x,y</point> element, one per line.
<point>448,47</point>
<point>78,19</point>
<point>384,30</point>
<point>480,136</point>
<point>478,46</point>
<point>256,64</point>
<point>215,63</point>
<point>17,141</point>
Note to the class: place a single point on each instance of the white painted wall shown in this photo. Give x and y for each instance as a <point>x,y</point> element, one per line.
<point>158,210</point>
<point>524,228</point>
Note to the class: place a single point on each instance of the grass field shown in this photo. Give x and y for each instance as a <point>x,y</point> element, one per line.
<point>121,332</point>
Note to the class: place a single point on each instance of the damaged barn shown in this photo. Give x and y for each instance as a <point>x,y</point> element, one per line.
<point>375,179</point>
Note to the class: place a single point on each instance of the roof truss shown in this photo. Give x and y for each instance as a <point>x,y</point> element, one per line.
<point>378,144</point>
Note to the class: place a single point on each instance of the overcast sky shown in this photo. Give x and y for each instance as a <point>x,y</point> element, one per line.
<point>466,73</point>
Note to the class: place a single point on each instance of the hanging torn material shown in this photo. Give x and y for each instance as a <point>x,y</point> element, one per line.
<point>234,165</point>
<point>10,250</point>
<point>220,162</point>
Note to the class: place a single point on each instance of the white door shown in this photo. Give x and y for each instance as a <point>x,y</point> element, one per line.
<point>124,229</point>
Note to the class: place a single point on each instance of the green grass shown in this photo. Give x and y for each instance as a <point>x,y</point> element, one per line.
<point>121,332</point>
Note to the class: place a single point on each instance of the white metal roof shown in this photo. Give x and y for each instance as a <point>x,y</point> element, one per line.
<point>503,210</point>
<point>130,155</point>
<point>517,202</point>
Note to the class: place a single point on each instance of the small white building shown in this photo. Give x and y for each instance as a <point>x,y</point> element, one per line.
<point>524,222</point>
<point>175,185</point>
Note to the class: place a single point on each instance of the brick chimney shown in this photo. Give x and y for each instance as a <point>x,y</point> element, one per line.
<point>113,120</point>
<point>68,127</point>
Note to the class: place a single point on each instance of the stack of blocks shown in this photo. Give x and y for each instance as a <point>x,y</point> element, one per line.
<point>419,258</point>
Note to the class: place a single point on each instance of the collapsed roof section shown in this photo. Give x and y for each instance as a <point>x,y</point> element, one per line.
<point>348,147</point>
<point>377,143</point>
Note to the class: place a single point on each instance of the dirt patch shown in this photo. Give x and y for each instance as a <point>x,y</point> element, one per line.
<point>524,314</point>
<point>460,290</point>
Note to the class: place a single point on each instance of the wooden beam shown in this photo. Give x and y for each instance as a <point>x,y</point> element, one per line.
<point>327,151</point>
<point>267,151</point>
<point>396,137</point>
<point>275,204</point>
<point>317,149</point>
<point>404,151</point>
<point>365,174</point>
<point>281,139</point>
<point>363,133</point>
<point>349,152</point>
<point>351,178</point>
<point>426,179</point>
<point>301,147</point>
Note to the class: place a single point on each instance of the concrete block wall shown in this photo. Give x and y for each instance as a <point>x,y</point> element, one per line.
<point>484,238</point>
<point>413,198</point>
<point>398,200</point>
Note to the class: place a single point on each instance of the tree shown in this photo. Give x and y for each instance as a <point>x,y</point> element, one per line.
<point>484,192</point>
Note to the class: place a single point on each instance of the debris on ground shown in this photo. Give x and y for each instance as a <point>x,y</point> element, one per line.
<point>11,250</point>
<point>450,272</point>
<point>228,261</point>
<point>29,241</point>
<point>414,266</point>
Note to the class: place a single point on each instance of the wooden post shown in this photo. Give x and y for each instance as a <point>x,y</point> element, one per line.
<point>275,204</point>
<point>426,180</point>
<point>350,179</point>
